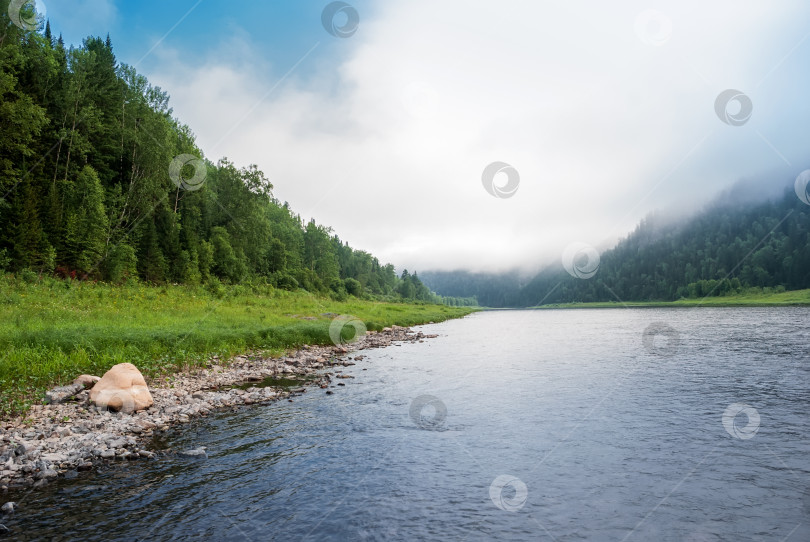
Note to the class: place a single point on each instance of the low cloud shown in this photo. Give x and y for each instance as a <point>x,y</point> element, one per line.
<point>388,143</point>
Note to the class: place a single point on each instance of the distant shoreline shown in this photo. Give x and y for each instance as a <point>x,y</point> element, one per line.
<point>794,298</point>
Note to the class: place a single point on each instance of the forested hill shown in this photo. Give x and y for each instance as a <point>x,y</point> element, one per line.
<point>98,180</point>
<point>726,248</point>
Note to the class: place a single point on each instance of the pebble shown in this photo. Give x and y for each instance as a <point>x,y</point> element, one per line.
<point>8,508</point>
<point>197,452</point>
<point>65,436</point>
<point>46,474</point>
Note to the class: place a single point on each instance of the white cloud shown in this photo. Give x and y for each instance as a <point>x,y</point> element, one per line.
<point>388,146</point>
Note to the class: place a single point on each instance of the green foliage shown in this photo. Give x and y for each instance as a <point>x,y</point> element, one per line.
<point>86,223</point>
<point>85,149</point>
<point>121,263</point>
<point>52,330</point>
<point>353,287</point>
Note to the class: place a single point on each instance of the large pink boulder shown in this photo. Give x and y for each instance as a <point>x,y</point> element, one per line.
<point>122,388</point>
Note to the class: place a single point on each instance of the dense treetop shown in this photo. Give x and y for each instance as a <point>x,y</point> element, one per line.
<point>91,186</point>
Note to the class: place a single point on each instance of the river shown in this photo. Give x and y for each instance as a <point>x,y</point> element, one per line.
<point>676,424</point>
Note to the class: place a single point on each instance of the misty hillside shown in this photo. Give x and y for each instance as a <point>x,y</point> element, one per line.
<point>726,248</point>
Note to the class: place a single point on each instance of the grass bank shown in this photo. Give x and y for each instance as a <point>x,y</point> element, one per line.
<point>53,330</point>
<point>747,299</point>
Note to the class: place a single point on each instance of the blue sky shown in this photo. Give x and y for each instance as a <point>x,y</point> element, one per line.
<point>280,30</point>
<point>606,110</point>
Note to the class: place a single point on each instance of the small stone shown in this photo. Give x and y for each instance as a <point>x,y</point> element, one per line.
<point>61,394</point>
<point>54,458</point>
<point>197,452</point>
<point>329,392</point>
<point>87,465</point>
<point>46,474</point>
<point>107,454</point>
<point>87,381</point>
<point>8,508</point>
<point>117,443</point>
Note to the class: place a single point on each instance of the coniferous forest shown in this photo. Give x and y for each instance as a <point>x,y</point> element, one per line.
<point>99,181</point>
<point>725,249</point>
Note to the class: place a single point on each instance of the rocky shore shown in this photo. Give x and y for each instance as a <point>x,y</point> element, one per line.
<point>56,440</point>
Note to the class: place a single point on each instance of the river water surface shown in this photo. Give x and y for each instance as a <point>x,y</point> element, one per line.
<point>557,425</point>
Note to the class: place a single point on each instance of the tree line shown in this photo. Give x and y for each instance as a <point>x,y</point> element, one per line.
<point>91,186</point>
<point>727,248</point>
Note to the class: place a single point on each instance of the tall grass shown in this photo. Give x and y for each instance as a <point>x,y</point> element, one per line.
<point>53,330</point>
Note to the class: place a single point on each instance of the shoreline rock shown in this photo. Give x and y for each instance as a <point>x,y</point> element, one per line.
<point>58,438</point>
<point>122,389</point>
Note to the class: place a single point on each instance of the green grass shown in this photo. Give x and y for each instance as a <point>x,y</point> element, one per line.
<point>746,299</point>
<point>51,330</point>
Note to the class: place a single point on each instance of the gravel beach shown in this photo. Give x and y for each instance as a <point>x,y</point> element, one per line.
<point>57,440</point>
